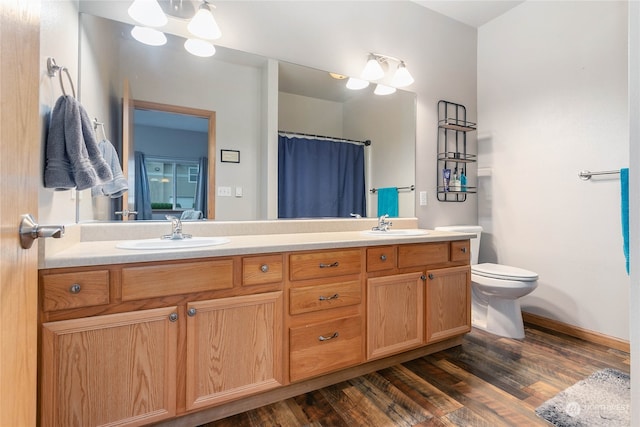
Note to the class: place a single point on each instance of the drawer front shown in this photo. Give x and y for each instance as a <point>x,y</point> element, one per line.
<point>324,347</point>
<point>174,279</point>
<point>423,254</point>
<point>74,290</point>
<point>322,297</point>
<point>260,270</point>
<point>315,265</point>
<point>381,258</point>
<point>461,251</point>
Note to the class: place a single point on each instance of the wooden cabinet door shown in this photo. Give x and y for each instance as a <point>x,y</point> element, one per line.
<point>395,314</point>
<point>448,302</point>
<point>234,348</point>
<point>117,369</point>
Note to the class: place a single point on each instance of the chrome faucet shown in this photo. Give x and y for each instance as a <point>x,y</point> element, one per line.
<point>383,224</point>
<point>176,229</point>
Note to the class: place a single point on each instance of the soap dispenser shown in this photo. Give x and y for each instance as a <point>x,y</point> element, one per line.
<point>463,181</point>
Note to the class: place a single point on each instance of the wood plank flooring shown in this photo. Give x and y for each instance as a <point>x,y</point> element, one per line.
<point>487,381</point>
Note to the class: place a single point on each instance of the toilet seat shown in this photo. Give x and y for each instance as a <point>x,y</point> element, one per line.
<point>503,272</point>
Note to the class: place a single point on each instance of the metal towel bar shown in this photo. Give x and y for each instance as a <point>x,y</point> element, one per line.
<point>586,175</point>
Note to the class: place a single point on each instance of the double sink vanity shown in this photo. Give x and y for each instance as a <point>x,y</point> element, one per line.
<point>277,308</point>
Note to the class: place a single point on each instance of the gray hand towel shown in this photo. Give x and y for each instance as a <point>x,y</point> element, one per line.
<point>118,185</point>
<point>57,172</point>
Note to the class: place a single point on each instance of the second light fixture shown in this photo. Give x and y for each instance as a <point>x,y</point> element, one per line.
<point>373,71</point>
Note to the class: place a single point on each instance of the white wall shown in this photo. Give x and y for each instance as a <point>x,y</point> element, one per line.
<point>297,113</point>
<point>552,100</point>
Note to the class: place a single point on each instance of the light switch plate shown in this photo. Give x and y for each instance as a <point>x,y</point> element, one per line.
<point>224,191</point>
<point>423,198</point>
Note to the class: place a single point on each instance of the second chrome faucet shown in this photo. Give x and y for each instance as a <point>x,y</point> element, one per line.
<point>176,229</point>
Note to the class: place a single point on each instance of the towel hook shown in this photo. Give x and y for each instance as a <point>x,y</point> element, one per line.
<point>52,70</point>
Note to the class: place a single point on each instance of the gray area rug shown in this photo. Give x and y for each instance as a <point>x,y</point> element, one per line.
<point>602,399</point>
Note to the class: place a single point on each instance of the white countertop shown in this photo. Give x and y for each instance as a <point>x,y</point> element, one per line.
<point>77,253</point>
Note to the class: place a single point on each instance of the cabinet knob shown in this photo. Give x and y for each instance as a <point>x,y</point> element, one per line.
<point>383,257</point>
<point>75,288</point>
<point>173,317</point>
<point>264,268</point>
<point>431,276</point>
<point>423,277</point>
<point>191,312</point>
<point>330,337</point>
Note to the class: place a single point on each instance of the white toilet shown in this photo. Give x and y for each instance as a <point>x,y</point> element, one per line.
<point>496,290</point>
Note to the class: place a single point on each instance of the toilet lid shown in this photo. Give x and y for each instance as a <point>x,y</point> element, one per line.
<point>498,271</point>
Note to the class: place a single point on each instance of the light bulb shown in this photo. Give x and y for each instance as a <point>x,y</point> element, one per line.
<point>148,13</point>
<point>149,36</point>
<point>199,47</point>
<point>372,70</point>
<point>402,77</point>
<point>356,84</point>
<point>203,25</point>
<point>384,90</point>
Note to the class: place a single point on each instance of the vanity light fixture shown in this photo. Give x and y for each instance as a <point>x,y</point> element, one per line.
<point>372,69</point>
<point>199,47</point>
<point>203,25</point>
<point>402,77</point>
<point>356,84</point>
<point>384,90</point>
<point>148,13</point>
<point>149,36</point>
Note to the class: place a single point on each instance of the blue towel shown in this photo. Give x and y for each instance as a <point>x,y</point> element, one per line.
<point>388,201</point>
<point>624,208</point>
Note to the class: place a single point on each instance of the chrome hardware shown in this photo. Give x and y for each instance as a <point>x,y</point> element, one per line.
<point>29,231</point>
<point>323,298</point>
<point>332,336</point>
<point>383,224</point>
<point>126,212</point>
<point>355,215</point>
<point>173,317</point>
<point>431,276</point>
<point>335,264</point>
<point>264,268</point>
<point>464,250</point>
<point>75,288</point>
<point>383,257</point>
<point>423,277</point>
<point>191,312</point>
<point>176,229</point>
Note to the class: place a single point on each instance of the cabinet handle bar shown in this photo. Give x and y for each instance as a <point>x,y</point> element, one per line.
<point>332,336</point>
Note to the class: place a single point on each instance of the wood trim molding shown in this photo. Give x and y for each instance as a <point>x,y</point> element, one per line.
<point>576,331</point>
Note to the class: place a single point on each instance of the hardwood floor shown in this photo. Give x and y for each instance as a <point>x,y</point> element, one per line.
<point>487,381</point>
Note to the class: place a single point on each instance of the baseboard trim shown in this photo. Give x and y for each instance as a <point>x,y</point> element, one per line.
<point>576,331</point>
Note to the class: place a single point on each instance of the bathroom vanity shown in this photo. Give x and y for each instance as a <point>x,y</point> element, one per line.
<point>188,336</point>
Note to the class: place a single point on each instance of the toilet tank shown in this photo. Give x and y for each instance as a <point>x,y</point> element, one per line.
<point>475,243</point>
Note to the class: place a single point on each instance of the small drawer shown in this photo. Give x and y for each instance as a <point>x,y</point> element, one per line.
<point>381,258</point>
<point>460,251</point>
<point>322,297</point>
<point>314,265</point>
<point>260,270</point>
<point>423,254</point>
<point>324,347</point>
<point>174,279</point>
<point>74,290</point>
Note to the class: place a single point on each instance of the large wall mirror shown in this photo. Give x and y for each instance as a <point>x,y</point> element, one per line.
<point>240,88</point>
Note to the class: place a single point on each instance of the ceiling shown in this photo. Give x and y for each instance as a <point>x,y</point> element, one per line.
<point>471,12</point>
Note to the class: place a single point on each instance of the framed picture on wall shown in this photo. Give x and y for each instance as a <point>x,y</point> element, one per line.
<point>230,156</point>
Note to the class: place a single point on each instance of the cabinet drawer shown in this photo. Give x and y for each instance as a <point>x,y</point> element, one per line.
<point>322,297</point>
<point>324,347</point>
<point>74,290</point>
<point>174,279</point>
<point>314,265</point>
<point>260,270</point>
<point>423,254</point>
<point>460,251</point>
<point>381,258</point>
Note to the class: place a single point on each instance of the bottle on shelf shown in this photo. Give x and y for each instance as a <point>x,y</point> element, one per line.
<point>455,181</point>
<point>463,181</point>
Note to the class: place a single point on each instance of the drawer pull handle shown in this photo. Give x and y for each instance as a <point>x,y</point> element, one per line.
<point>191,312</point>
<point>323,338</point>
<point>75,288</point>
<point>173,317</point>
<point>335,264</point>
<point>334,296</point>
<point>464,250</point>
<point>383,257</point>
<point>264,268</point>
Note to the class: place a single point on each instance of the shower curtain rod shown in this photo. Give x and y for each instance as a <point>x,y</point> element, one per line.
<point>366,142</point>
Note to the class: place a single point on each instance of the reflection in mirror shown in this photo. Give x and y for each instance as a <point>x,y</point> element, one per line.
<point>241,89</point>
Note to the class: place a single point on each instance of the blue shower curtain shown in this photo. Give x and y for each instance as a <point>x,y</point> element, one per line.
<point>201,187</point>
<point>142,196</point>
<point>320,178</point>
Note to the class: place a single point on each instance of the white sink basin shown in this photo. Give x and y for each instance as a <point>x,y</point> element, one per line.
<point>396,233</point>
<point>153,244</point>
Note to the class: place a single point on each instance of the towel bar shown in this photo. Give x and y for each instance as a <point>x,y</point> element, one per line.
<point>586,175</point>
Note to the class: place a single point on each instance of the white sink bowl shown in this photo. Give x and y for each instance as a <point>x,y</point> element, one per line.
<point>396,233</point>
<point>153,244</point>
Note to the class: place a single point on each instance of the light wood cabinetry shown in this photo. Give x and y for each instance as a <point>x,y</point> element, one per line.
<point>448,298</point>
<point>117,369</point>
